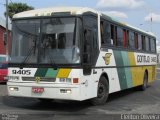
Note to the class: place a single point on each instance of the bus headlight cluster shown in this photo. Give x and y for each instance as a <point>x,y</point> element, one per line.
<point>69,80</point>
<point>65,80</point>
<point>15,78</point>
<point>13,88</point>
<point>69,91</point>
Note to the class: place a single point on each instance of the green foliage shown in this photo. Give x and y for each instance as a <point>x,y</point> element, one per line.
<point>14,8</point>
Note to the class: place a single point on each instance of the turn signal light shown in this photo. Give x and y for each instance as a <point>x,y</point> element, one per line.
<point>75,80</point>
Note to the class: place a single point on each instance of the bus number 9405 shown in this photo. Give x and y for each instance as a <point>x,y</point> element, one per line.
<point>21,72</point>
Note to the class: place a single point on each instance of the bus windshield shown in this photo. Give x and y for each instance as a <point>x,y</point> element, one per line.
<point>45,41</point>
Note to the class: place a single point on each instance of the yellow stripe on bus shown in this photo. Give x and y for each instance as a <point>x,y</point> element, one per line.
<point>138,72</point>
<point>63,73</point>
<point>134,70</point>
<point>131,58</point>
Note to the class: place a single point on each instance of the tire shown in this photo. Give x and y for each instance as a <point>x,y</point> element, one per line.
<point>145,82</point>
<point>45,100</point>
<point>102,92</point>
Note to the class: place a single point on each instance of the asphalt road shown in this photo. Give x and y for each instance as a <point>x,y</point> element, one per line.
<point>130,101</point>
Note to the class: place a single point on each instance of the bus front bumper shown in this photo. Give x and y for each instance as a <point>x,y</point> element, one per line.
<point>49,91</point>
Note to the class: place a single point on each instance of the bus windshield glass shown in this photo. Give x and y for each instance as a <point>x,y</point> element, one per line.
<point>46,41</point>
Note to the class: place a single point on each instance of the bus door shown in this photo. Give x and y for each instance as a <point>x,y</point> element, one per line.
<point>90,43</point>
<point>90,55</point>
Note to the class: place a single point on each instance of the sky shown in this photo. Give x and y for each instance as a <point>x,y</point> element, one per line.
<point>138,13</point>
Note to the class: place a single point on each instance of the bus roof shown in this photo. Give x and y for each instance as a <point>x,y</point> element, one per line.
<point>72,11</point>
<point>50,11</point>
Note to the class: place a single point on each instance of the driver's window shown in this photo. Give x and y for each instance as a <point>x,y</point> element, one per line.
<point>90,38</point>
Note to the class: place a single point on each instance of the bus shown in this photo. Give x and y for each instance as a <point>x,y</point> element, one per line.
<point>76,53</point>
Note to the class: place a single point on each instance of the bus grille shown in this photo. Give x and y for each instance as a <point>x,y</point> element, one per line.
<point>40,79</point>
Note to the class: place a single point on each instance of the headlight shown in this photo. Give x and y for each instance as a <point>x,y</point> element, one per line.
<point>65,80</point>
<point>15,78</point>
<point>62,80</point>
<point>68,80</point>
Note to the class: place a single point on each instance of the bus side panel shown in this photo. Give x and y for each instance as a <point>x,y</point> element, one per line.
<point>124,71</point>
<point>88,85</point>
<point>136,71</point>
<point>123,68</point>
<point>146,62</point>
<point>106,64</point>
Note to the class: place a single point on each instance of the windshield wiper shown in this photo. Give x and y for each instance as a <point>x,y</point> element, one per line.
<point>53,64</point>
<point>30,51</point>
<point>33,48</point>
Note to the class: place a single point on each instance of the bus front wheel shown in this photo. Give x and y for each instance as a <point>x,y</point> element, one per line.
<point>102,92</point>
<point>43,100</point>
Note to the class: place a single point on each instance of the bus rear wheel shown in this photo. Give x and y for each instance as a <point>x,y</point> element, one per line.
<point>102,92</point>
<point>145,82</point>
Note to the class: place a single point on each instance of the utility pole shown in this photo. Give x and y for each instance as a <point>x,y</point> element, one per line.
<point>151,22</point>
<point>6,27</point>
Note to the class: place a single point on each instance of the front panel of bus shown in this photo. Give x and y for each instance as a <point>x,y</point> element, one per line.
<point>48,56</point>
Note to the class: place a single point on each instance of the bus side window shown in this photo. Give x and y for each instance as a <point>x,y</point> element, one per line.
<point>124,38</point>
<point>102,31</point>
<point>105,33</point>
<point>139,42</point>
<point>131,40</point>
<point>153,45</point>
<point>127,39</point>
<point>119,37</point>
<point>136,40</point>
<point>147,44</point>
<point>115,33</point>
<point>143,43</point>
<point>107,36</point>
<point>112,35</point>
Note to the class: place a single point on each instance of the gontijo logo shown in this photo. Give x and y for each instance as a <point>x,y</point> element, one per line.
<point>107,58</point>
<point>37,79</point>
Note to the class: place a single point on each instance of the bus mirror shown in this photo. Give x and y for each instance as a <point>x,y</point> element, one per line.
<point>5,38</point>
<point>87,69</point>
<point>86,58</point>
<point>88,48</point>
<point>86,64</point>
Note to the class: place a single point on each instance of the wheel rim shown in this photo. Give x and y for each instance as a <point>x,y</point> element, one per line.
<point>145,81</point>
<point>101,90</point>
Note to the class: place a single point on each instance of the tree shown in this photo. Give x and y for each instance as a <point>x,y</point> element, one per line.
<point>14,8</point>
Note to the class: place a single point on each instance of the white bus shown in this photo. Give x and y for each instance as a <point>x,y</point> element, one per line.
<point>73,53</point>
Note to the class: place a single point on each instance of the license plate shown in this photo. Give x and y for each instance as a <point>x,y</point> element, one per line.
<point>37,89</point>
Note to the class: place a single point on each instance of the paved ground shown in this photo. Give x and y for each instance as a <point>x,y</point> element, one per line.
<point>129,101</point>
<point>3,89</point>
